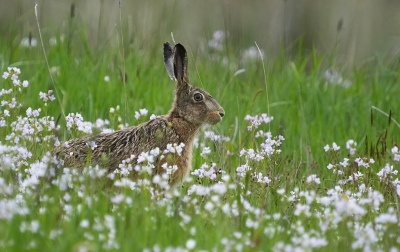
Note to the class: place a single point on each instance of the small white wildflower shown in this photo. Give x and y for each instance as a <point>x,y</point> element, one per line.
<point>280,191</point>
<point>143,111</point>
<point>67,197</point>
<point>351,146</point>
<point>217,41</point>
<point>335,147</point>
<point>190,244</point>
<point>396,153</point>
<point>29,112</point>
<point>84,223</point>
<point>252,53</point>
<point>5,75</point>
<point>91,144</point>
<point>313,178</point>
<point>117,199</point>
<point>206,151</point>
<point>152,117</point>
<point>345,162</point>
<point>106,78</point>
<point>36,112</point>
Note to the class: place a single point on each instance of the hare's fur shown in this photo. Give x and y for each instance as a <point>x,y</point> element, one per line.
<point>187,115</point>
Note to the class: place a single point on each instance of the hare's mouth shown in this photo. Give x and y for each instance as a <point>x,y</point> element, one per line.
<point>214,117</point>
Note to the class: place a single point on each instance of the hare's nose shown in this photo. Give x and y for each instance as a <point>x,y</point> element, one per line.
<point>221,114</point>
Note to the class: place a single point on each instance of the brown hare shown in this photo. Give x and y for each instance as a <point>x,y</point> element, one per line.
<point>192,108</point>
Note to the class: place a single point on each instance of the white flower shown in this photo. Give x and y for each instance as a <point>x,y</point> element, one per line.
<point>260,178</point>
<point>349,207</point>
<point>326,148</point>
<point>386,218</point>
<point>206,151</point>
<point>6,113</point>
<point>5,75</point>
<point>333,77</point>
<point>91,144</point>
<point>252,53</point>
<point>364,162</point>
<point>141,112</point>
<point>330,166</point>
<point>84,223</point>
<point>351,146</point>
<point>152,117</point>
<point>313,178</point>
<point>345,162</point>
<point>387,172</point>
<point>117,199</point>
<point>190,244</point>
<point>106,78</point>
<point>335,147</point>
<point>396,153</point>
<point>36,112</point>
<point>258,120</point>
<point>45,97</point>
<point>217,41</point>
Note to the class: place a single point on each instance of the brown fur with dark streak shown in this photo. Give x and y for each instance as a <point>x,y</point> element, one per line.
<point>192,107</point>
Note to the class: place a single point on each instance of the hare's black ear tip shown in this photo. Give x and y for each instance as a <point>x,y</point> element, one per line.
<point>180,47</point>
<point>168,48</point>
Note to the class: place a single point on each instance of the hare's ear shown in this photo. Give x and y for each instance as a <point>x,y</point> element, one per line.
<point>169,60</point>
<point>181,64</point>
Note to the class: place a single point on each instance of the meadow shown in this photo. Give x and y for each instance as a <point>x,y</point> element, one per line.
<point>306,157</point>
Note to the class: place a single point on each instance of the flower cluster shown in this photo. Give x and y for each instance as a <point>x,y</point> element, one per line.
<point>75,121</point>
<point>13,73</point>
<point>252,53</point>
<point>335,78</point>
<point>49,96</point>
<point>364,162</point>
<point>396,153</point>
<point>351,145</point>
<point>174,148</point>
<point>33,129</point>
<point>206,171</point>
<point>334,147</point>
<point>142,112</point>
<point>214,137</point>
<point>258,120</point>
<point>217,41</point>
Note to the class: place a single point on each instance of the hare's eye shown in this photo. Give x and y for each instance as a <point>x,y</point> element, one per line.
<point>198,97</point>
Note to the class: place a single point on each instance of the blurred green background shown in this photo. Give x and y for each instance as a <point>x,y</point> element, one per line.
<point>362,28</point>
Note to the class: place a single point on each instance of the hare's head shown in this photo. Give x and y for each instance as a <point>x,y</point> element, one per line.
<point>193,104</point>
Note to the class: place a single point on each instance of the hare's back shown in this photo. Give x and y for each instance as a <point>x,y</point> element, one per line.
<point>123,144</point>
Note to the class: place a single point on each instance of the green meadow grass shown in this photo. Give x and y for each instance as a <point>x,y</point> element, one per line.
<point>308,110</point>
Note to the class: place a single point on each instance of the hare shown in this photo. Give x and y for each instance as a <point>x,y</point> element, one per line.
<point>192,108</point>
